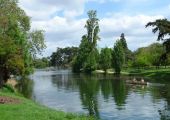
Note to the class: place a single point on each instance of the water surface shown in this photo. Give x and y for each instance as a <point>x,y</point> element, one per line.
<point>105,97</point>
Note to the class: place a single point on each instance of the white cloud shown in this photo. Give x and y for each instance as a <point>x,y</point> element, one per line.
<point>133,26</point>
<point>65,30</point>
<point>62,33</point>
<point>44,9</point>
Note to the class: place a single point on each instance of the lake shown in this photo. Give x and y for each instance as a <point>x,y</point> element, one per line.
<point>105,97</point>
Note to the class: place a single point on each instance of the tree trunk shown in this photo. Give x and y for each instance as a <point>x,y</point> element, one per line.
<point>4,76</point>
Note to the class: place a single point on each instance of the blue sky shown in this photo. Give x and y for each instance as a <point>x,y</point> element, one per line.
<point>64,20</point>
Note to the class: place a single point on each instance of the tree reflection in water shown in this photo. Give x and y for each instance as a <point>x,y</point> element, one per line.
<point>100,94</point>
<point>25,87</point>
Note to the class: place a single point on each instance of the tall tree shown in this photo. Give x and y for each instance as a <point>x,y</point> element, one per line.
<point>118,56</point>
<point>87,54</point>
<point>128,53</point>
<point>16,42</point>
<point>92,27</point>
<point>123,41</point>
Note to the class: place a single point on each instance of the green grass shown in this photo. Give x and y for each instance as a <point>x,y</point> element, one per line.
<point>162,74</point>
<point>156,74</point>
<point>29,110</point>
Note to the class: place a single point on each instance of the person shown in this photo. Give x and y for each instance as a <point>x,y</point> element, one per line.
<point>134,80</point>
<point>142,80</point>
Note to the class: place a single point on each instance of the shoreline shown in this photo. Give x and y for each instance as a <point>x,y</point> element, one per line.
<point>153,74</point>
<point>27,109</point>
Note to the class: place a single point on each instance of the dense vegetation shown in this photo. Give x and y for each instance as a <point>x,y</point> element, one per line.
<point>18,44</point>
<point>63,57</point>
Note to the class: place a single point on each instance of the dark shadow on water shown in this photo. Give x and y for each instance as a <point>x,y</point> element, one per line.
<point>25,87</point>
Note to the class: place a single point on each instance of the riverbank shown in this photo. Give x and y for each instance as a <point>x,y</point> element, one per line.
<point>161,74</point>
<point>155,74</point>
<point>26,109</point>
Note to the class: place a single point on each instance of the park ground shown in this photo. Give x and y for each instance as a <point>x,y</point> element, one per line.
<point>15,107</point>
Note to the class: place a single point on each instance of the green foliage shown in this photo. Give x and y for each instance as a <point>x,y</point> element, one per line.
<point>148,56</point>
<point>36,41</point>
<point>162,26</point>
<point>8,88</point>
<point>87,56</point>
<point>41,63</point>
<point>90,64</point>
<point>118,56</point>
<point>83,52</point>
<point>105,58</point>
<point>128,53</point>
<point>123,41</point>
<point>63,57</point>
<point>18,46</point>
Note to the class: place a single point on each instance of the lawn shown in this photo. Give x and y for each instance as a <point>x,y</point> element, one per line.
<point>29,110</point>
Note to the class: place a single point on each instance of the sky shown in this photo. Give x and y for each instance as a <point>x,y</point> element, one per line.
<point>63,20</point>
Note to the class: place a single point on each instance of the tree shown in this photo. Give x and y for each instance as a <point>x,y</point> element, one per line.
<point>162,26</point>
<point>105,58</point>
<point>86,58</point>
<point>148,56</point>
<point>63,56</point>
<point>118,56</point>
<point>90,64</point>
<point>41,63</point>
<point>83,53</point>
<point>16,42</point>
<point>92,27</point>
<point>128,53</point>
<point>123,41</point>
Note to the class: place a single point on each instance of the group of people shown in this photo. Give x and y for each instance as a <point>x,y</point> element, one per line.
<point>142,80</point>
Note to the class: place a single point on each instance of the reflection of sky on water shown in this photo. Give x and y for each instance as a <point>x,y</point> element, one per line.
<point>106,98</point>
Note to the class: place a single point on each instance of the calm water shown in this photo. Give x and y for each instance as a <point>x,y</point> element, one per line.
<point>105,97</point>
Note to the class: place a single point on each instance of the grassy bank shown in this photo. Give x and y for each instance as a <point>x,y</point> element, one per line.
<point>161,74</point>
<point>28,110</point>
<point>156,74</point>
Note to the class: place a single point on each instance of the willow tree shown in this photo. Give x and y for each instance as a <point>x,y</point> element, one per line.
<point>18,45</point>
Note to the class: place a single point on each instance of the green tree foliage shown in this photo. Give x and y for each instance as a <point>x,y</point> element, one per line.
<point>90,64</point>
<point>123,41</point>
<point>16,41</point>
<point>41,62</point>
<point>128,53</point>
<point>105,58</point>
<point>148,56</point>
<point>83,52</point>
<point>118,56</point>
<point>63,56</point>
<point>162,26</point>
<point>36,41</point>
<point>87,56</point>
